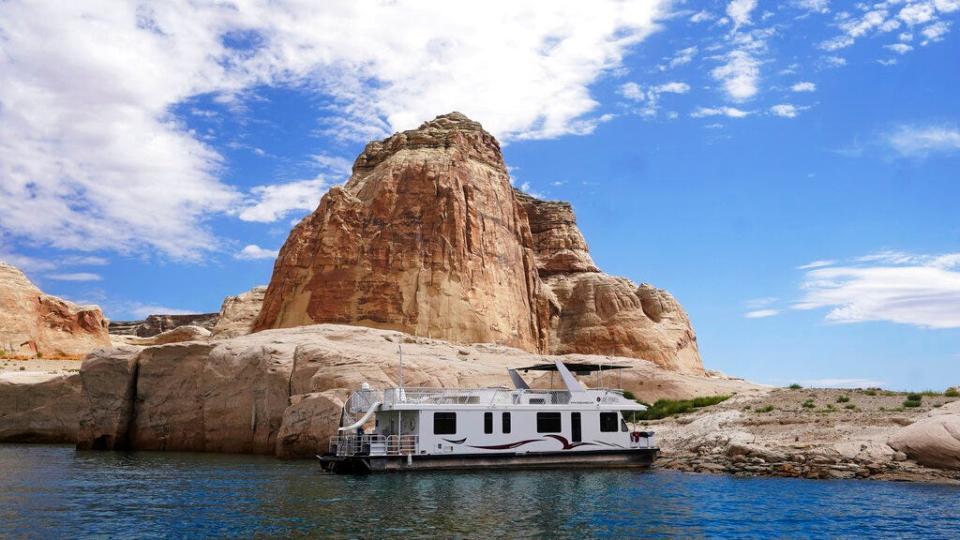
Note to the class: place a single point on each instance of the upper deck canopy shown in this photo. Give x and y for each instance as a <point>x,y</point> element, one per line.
<point>575,367</point>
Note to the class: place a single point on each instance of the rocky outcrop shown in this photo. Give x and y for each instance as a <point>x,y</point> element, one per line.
<point>238,313</point>
<point>280,391</point>
<point>158,324</point>
<point>428,237</point>
<point>39,407</point>
<point>36,324</point>
<point>933,441</point>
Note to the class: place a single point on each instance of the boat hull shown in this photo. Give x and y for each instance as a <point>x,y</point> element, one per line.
<point>600,459</point>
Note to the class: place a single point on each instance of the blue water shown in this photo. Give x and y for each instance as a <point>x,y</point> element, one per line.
<point>54,492</point>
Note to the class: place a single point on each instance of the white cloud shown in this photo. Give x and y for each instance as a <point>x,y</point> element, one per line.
<point>739,11</point>
<point>26,264</point>
<point>784,110</point>
<point>702,16</point>
<point>817,264</point>
<point>739,75</point>
<point>632,91</point>
<point>804,86</point>
<point>917,13</point>
<point>273,202</point>
<point>816,6</point>
<point>91,156</point>
<point>761,313</point>
<point>74,276</point>
<point>919,290</point>
<point>834,61</point>
<point>920,141</point>
<point>682,57</point>
<point>756,303</point>
<point>255,252</point>
<point>651,96</point>
<point>935,32</point>
<point>899,48</point>
<point>731,112</point>
<point>337,165</point>
<point>673,88</point>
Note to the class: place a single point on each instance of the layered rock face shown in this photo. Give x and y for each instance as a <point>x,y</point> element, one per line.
<point>157,324</point>
<point>33,323</point>
<point>39,407</point>
<point>428,237</point>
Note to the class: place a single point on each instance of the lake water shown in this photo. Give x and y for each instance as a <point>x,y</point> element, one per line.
<point>53,491</point>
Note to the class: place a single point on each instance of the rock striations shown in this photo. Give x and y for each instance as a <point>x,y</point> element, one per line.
<point>429,237</point>
<point>33,323</point>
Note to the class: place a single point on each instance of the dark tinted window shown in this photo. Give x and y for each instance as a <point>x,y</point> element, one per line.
<point>506,422</point>
<point>488,422</point>
<point>623,425</point>
<point>609,421</point>
<point>548,422</point>
<point>444,423</point>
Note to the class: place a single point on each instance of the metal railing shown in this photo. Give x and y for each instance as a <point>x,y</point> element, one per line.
<point>374,445</point>
<point>359,402</point>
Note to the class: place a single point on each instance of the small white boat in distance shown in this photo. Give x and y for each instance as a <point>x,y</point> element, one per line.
<point>432,428</point>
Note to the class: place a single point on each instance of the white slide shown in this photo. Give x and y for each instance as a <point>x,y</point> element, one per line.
<point>362,421</point>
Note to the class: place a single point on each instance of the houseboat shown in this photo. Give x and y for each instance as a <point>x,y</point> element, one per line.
<point>521,427</point>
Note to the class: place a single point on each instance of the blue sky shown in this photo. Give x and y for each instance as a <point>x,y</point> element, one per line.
<point>787,169</point>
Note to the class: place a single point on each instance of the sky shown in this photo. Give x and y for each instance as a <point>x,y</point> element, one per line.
<point>789,170</point>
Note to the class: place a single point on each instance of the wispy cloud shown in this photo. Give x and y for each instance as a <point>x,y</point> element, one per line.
<point>74,276</point>
<point>730,112</point>
<point>142,311</point>
<point>923,140</point>
<point>255,252</point>
<point>804,86</point>
<point>784,110</point>
<point>647,99</point>
<point>816,264</point>
<point>761,313</point>
<point>919,290</point>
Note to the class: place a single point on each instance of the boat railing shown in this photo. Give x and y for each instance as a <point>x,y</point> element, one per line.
<point>374,445</point>
<point>359,402</point>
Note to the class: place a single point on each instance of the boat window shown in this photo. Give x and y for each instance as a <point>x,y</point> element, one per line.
<point>548,422</point>
<point>506,422</point>
<point>609,421</point>
<point>444,423</point>
<point>623,425</point>
<point>488,422</point>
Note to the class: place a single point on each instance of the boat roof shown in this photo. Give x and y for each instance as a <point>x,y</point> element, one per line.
<point>575,367</point>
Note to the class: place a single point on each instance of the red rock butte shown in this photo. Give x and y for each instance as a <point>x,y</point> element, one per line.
<point>430,238</point>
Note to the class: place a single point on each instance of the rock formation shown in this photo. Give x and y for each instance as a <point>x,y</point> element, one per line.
<point>39,407</point>
<point>36,324</point>
<point>158,324</point>
<point>933,441</point>
<point>238,313</point>
<point>280,391</point>
<point>428,237</point>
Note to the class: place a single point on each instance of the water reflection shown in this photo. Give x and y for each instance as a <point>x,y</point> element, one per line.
<point>53,491</point>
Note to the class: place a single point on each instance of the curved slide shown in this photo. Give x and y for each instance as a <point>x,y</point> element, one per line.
<point>364,419</point>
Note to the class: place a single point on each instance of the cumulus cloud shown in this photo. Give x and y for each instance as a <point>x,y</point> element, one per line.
<point>739,11</point>
<point>739,74</point>
<point>899,48</point>
<point>91,156</point>
<point>921,141</point>
<point>887,16</point>
<point>784,110</point>
<point>804,86</point>
<point>919,290</point>
<point>255,252</point>
<point>272,202</point>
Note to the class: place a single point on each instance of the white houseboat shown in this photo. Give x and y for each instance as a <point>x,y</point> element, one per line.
<point>425,428</point>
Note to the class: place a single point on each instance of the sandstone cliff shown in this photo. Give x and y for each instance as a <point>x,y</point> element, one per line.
<point>428,237</point>
<point>33,323</point>
<point>238,313</point>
